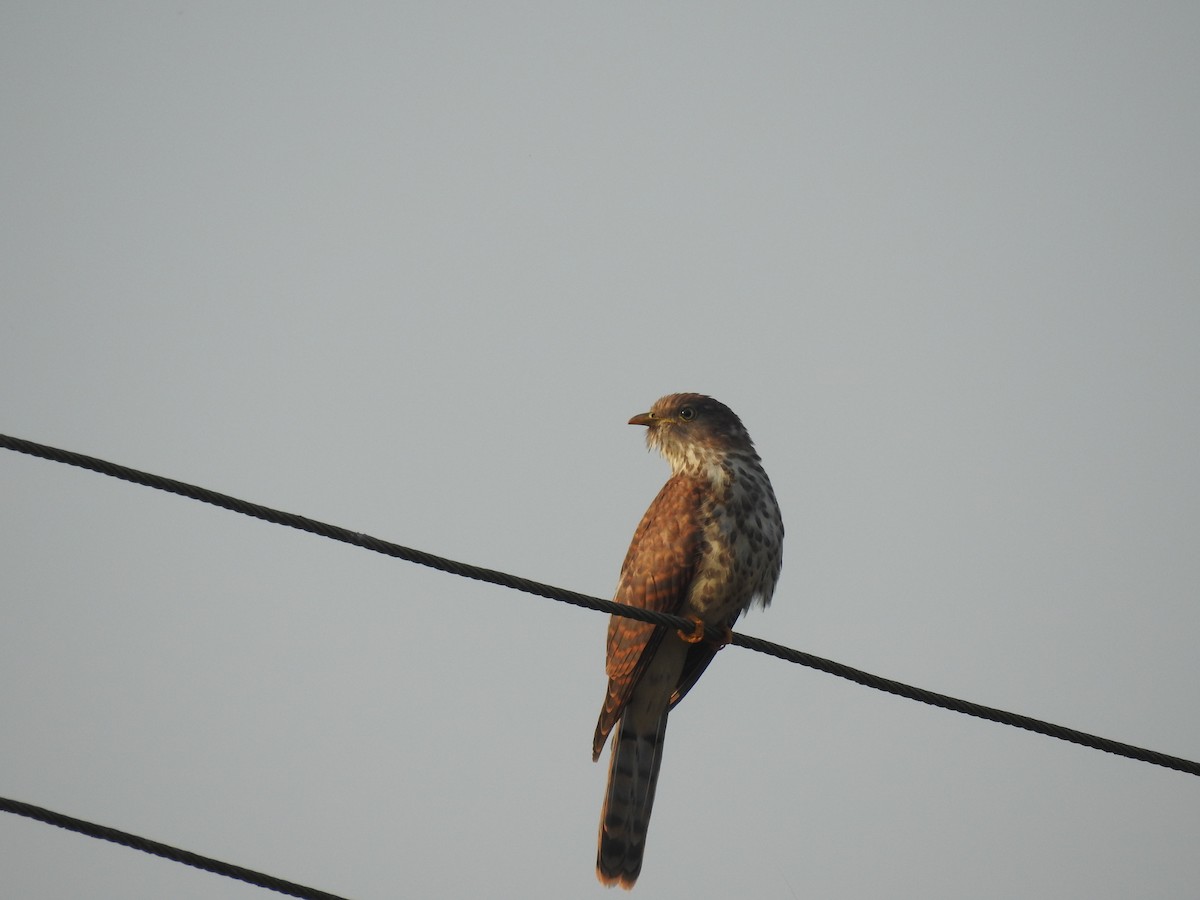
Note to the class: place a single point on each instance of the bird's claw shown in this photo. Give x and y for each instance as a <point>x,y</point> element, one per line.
<point>696,635</point>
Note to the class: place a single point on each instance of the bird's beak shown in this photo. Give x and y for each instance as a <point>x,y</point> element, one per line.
<point>642,419</point>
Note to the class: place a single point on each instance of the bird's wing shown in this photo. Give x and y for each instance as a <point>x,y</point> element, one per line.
<point>699,655</point>
<point>657,574</point>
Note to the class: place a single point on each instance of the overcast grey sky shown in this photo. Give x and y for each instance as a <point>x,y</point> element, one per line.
<point>409,268</point>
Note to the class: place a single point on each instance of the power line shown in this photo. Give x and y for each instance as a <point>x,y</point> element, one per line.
<point>195,860</point>
<point>493,576</point>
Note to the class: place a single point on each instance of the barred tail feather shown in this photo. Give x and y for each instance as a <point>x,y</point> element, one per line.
<point>632,776</point>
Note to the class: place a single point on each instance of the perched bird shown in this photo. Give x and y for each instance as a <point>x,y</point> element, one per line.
<point>709,546</point>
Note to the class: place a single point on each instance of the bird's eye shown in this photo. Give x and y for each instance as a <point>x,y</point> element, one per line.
<point>687,414</point>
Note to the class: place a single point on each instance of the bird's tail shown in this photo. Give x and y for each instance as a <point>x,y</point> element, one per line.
<point>632,776</point>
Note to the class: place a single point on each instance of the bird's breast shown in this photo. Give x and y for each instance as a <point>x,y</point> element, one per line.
<point>740,553</point>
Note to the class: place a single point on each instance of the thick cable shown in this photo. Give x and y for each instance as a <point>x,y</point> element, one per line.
<point>154,848</point>
<point>537,588</point>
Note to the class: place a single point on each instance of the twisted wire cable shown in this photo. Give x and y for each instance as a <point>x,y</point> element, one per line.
<point>492,576</point>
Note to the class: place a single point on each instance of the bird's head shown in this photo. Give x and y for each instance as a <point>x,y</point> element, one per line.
<point>693,432</point>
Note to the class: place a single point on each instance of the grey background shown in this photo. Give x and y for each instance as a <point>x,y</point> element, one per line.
<point>410,267</point>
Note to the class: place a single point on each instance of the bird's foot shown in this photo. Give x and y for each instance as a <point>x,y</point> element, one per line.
<point>696,635</point>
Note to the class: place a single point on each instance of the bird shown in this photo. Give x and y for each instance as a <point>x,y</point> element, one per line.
<point>709,546</point>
